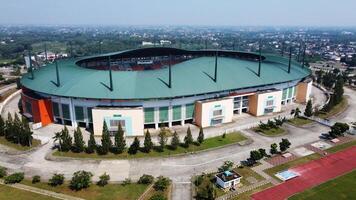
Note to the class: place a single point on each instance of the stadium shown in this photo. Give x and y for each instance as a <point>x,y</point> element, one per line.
<point>158,86</point>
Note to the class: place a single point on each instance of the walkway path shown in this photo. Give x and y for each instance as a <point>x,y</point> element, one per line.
<point>41,191</point>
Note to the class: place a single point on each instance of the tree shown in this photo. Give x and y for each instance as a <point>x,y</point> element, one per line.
<point>255,155</point>
<point>26,139</point>
<point>66,140</point>
<point>227,166</point>
<point>58,137</point>
<point>2,126</point>
<point>162,139</point>
<point>274,148</point>
<point>338,129</point>
<point>284,145</point>
<point>338,90</point>
<point>200,138</point>
<point>91,144</point>
<point>262,152</point>
<point>79,144</point>
<point>175,141</point>
<point>296,112</point>
<point>309,109</point>
<point>103,180</point>
<point>80,180</point>
<point>147,143</point>
<point>188,139</point>
<point>120,142</point>
<point>106,143</point>
<point>134,146</point>
<point>146,179</point>
<point>161,184</point>
<point>57,179</point>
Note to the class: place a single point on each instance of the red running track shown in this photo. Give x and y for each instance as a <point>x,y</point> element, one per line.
<point>312,174</point>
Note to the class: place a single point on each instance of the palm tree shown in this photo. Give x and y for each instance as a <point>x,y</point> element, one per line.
<point>58,137</point>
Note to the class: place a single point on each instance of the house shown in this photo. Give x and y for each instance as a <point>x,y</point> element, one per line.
<point>228,179</point>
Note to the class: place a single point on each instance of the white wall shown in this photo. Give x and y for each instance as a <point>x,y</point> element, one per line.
<point>226,105</point>
<point>263,97</point>
<point>135,114</point>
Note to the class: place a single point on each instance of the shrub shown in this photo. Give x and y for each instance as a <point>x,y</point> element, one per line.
<point>145,179</point>
<point>57,179</point>
<point>255,155</point>
<point>199,180</point>
<point>103,179</point>
<point>175,141</point>
<point>3,172</point>
<point>14,178</point>
<point>36,179</point>
<point>127,181</point>
<point>161,184</point>
<point>224,135</point>
<point>134,146</point>
<point>80,180</point>
<point>158,197</point>
<point>200,138</point>
<point>228,165</point>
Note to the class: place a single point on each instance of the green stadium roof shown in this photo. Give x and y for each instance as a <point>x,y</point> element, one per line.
<point>188,78</point>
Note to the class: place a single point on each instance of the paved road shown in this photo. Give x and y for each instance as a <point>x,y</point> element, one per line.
<point>179,169</point>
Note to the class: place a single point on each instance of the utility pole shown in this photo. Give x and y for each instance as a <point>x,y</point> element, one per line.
<point>110,75</point>
<point>57,71</point>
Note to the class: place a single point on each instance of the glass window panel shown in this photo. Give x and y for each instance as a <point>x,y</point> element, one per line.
<point>189,111</point>
<point>177,112</point>
<point>163,114</point>
<point>79,113</point>
<point>149,115</point>
<point>65,110</point>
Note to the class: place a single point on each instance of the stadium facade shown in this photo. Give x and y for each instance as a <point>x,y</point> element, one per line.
<point>150,87</point>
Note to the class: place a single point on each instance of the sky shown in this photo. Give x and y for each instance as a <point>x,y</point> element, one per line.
<point>180,12</point>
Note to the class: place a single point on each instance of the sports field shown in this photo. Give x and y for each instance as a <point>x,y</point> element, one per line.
<point>340,188</point>
<point>312,174</point>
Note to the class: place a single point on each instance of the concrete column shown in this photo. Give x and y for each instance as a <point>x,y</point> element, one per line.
<point>72,113</point>
<point>183,115</point>
<point>156,120</point>
<point>86,118</point>
<point>170,116</point>
<point>60,111</point>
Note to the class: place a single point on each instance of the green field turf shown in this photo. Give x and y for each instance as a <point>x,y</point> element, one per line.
<point>343,187</point>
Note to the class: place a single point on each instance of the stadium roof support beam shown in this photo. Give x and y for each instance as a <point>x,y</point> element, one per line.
<point>110,75</point>
<point>30,63</point>
<point>57,72</point>
<point>290,59</point>
<point>216,67</point>
<point>170,72</point>
<point>259,61</point>
<point>303,61</point>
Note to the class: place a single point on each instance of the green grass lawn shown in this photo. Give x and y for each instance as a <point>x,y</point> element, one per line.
<point>247,195</point>
<point>271,132</point>
<point>336,109</point>
<point>10,193</point>
<point>340,188</point>
<point>247,172</point>
<point>153,192</point>
<point>298,121</point>
<point>94,192</point>
<point>18,147</point>
<point>272,171</point>
<point>209,143</point>
<point>340,147</point>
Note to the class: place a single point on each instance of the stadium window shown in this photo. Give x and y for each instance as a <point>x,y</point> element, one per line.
<point>79,113</point>
<point>217,113</point>
<point>66,112</point>
<point>269,103</point>
<point>55,109</point>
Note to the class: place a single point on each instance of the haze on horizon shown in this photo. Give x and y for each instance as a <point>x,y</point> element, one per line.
<point>180,12</point>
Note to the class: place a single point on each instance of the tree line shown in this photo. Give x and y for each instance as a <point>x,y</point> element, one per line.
<point>66,142</point>
<point>16,130</point>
